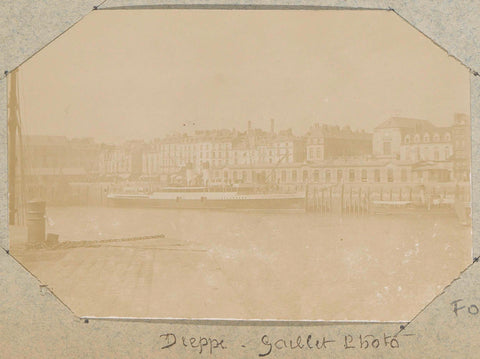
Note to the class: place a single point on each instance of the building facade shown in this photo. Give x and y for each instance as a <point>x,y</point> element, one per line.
<point>123,161</point>
<point>461,148</point>
<point>400,150</point>
<point>48,157</point>
<point>329,142</point>
<point>216,149</point>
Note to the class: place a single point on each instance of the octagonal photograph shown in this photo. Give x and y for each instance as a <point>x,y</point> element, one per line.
<point>241,164</point>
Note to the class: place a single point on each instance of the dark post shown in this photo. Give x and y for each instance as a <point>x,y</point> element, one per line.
<point>12,137</point>
<point>36,223</point>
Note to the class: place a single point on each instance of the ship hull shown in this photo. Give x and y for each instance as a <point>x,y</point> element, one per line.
<point>246,203</point>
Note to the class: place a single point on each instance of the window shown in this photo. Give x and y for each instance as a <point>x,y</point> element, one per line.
<point>404,175</point>
<point>447,153</point>
<point>377,175</point>
<point>316,175</point>
<point>305,175</point>
<point>310,153</point>
<point>417,138</point>
<point>339,175</point>
<point>448,137</point>
<point>284,176</point>
<point>426,153</point>
<point>390,175</point>
<point>407,139</point>
<point>244,176</point>
<point>387,148</point>
<point>364,175</point>
<point>351,175</point>
<point>426,137</point>
<point>328,176</point>
<point>436,154</point>
<point>294,175</point>
<point>319,152</point>
<point>436,137</point>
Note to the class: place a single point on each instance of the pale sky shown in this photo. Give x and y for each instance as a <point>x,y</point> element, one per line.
<point>122,74</point>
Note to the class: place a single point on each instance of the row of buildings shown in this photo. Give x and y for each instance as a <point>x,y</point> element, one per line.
<point>398,150</point>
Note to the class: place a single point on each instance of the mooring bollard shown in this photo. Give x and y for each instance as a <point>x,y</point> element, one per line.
<point>36,223</point>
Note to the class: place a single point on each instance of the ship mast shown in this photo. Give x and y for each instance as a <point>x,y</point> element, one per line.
<point>13,114</point>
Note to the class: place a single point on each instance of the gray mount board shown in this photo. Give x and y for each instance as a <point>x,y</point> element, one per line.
<point>35,324</point>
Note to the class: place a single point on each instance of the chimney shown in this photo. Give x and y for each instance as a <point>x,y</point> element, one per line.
<point>272,126</point>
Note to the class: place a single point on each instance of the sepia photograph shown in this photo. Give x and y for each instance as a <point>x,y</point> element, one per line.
<point>275,164</point>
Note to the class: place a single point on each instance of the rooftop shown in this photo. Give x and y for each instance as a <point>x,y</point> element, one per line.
<point>405,122</point>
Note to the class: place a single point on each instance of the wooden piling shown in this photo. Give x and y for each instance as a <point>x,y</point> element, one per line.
<point>322,202</point>
<point>331,202</point>
<point>306,197</point>
<point>360,201</point>
<point>369,201</point>
<point>341,199</point>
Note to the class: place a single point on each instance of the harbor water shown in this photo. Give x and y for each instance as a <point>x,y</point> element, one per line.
<point>250,264</point>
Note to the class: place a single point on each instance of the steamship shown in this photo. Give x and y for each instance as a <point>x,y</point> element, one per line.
<point>208,198</point>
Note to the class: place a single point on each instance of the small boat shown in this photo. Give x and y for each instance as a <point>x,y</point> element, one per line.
<point>409,207</point>
<point>234,197</point>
